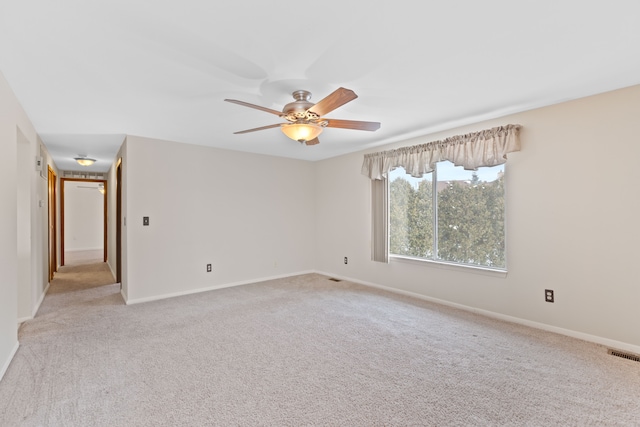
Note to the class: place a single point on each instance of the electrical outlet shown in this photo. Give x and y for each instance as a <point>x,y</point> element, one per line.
<point>208,268</point>
<point>548,295</point>
<point>346,260</point>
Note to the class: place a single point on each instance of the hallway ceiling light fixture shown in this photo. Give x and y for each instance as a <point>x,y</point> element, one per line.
<point>83,160</point>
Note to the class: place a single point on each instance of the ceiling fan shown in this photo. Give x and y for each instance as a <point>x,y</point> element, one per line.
<point>305,120</point>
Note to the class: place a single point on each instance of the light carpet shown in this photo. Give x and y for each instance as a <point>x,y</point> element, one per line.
<point>302,351</point>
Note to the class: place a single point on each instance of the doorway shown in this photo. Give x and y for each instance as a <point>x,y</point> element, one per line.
<point>91,185</point>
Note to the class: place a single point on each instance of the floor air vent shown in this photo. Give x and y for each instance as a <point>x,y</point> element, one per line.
<point>629,356</point>
<point>334,279</point>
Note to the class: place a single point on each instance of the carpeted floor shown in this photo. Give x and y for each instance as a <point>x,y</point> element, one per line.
<point>302,351</point>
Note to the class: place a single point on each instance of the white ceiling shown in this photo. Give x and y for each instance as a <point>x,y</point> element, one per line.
<point>89,72</point>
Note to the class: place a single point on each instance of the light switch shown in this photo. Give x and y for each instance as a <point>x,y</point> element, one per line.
<point>145,220</point>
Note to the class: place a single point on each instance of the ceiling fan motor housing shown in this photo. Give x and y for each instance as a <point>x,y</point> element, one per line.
<point>299,109</point>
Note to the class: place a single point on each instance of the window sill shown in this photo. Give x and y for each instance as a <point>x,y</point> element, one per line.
<point>485,271</point>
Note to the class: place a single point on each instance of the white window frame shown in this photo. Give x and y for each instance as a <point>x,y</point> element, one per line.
<point>440,263</point>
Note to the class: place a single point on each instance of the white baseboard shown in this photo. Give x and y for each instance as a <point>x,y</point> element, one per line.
<point>21,320</point>
<point>113,273</point>
<point>619,345</point>
<point>36,307</point>
<point>211,288</point>
<point>8,361</point>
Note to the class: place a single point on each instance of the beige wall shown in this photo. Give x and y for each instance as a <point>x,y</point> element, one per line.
<point>572,213</point>
<point>23,259</point>
<point>250,216</point>
<point>9,109</point>
<point>111,213</point>
<point>83,217</point>
<point>112,217</point>
<point>32,226</point>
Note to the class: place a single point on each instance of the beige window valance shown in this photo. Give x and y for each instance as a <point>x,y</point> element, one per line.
<point>471,151</point>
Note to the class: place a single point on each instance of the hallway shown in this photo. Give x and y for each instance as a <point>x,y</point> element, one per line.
<point>84,280</point>
<point>64,345</point>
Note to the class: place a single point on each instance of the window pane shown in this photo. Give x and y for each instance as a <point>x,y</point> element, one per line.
<point>471,215</point>
<point>410,215</point>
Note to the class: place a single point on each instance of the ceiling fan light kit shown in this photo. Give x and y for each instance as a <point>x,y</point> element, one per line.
<point>302,132</point>
<point>305,121</point>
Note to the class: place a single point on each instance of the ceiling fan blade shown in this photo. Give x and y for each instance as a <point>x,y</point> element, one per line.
<point>314,141</point>
<point>260,128</point>
<point>334,100</point>
<point>352,124</point>
<point>257,107</point>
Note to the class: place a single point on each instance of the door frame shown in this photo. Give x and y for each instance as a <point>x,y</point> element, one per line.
<point>52,222</point>
<point>119,222</point>
<point>104,217</point>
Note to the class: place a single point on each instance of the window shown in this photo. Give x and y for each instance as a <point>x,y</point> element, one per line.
<point>450,214</point>
<point>442,216</point>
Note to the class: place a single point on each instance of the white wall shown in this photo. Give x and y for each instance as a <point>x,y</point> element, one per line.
<point>111,215</point>
<point>83,216</point>
<point>40,228</point>
<point>112,261</point>
<point>572,224</point>
<point>31,227</point>
<point>10,113</point>
<point>25,167</point>
<point>20,243</point>
<point>251,216</point>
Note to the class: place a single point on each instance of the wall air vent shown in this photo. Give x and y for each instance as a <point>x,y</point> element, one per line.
<point>334,279</point>
<point>624,355</point>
